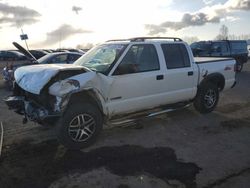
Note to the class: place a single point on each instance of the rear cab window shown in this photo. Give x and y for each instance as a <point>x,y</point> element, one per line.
<point>176,56</point>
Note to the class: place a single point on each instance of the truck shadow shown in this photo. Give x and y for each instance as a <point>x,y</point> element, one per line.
<point>39,165</point>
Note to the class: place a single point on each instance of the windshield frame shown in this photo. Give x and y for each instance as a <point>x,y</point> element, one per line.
<point>105,72</point>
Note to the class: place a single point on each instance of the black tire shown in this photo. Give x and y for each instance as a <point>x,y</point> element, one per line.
<point>239,66</point>
<point>207,98</point>
<point>72,132</point>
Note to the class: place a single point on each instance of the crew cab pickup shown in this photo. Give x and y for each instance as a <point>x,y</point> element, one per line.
<point>236,49</point>
<point>118,81</point>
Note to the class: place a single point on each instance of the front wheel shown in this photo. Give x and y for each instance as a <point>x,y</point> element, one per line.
<point>79,126</point>
<point>207,98</point>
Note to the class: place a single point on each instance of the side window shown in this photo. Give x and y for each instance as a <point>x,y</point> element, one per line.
<point>72,58</point>
<point>139,58</point>
<point>59,59</point>
<point>224,47</point>
<point>238,46</point>
<point>176,55</point>
<point>216,47</point>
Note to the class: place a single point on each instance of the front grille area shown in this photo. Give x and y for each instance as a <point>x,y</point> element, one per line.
<point>45,100</point>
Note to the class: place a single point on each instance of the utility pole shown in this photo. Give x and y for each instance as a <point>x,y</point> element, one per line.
<point>24,37</point>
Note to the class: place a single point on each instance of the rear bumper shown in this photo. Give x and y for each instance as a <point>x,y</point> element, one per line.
<point>30,110</point>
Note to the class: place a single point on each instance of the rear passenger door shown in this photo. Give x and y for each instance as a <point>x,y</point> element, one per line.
<point>180,77</point>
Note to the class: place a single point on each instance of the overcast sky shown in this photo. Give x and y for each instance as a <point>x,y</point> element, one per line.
<point>67,23</point>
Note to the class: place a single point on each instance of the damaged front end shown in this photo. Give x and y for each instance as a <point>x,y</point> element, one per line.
<point>46,106</point>
<point>32,107</point>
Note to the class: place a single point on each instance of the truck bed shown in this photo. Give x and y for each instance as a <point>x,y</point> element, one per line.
<point>200,60</point>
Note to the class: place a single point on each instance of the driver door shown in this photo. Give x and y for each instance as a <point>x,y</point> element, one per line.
<point>136,81</point>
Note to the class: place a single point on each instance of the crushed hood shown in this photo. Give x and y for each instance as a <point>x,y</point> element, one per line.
<point>33,78</point>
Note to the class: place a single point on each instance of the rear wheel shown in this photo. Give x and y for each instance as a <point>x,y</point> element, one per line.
<point>80,126</point>
<point>207,98</point>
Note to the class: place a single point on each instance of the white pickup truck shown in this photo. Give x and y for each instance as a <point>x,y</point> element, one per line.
<point>115,81</point>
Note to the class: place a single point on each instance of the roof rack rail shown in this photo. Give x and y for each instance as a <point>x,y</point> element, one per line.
<point>114,40</point>
<point>142,39</point>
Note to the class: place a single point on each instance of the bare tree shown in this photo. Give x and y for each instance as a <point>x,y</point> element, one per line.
<point>223,34</point>
<point>239,37</point>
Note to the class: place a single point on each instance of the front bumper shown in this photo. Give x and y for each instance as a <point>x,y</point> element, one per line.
<point>31,110</point>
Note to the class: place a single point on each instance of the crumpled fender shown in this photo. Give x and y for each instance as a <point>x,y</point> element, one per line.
<point>86,81</point>
<point>71,84</point>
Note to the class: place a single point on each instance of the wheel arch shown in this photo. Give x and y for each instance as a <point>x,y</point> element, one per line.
<point>216,78</point>
<point>88,96</point>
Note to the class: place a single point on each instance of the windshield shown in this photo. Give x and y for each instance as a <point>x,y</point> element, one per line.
<point>101,57</point>
<point>205,46</point>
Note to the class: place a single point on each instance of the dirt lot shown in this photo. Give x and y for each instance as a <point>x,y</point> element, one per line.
<point>175,150</point>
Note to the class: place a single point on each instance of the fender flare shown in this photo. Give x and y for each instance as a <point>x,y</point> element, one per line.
<point>90,95</point>
<point>216,78</point>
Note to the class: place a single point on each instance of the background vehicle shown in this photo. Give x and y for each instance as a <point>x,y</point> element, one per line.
<point>8,77</point>
<point>75,50</point>
<point>38,53</point>
<point>118,81</point>
<point>49,58</point>
<point>236,49</point>
<point>59,57</point>
<point>11,56</point>
<point>248,51</point>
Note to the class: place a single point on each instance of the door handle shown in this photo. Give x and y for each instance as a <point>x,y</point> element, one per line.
<point>159,77</point>
<point>190,73</point>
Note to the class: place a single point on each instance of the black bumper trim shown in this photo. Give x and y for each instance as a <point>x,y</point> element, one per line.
<point>30,110</point>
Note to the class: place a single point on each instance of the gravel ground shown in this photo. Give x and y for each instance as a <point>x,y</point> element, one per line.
<point>175,150</point>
